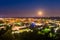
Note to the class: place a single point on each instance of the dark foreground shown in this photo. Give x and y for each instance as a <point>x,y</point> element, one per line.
<point>35,34</point>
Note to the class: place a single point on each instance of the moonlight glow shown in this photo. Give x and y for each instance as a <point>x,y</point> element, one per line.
<point>40,13</point>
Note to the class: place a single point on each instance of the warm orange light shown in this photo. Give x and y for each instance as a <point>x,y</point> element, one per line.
<point>40,13</point>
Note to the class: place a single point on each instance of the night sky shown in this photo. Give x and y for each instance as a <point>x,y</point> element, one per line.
<point>29,8</point>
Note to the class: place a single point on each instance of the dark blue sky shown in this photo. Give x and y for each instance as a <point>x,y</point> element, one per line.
<point>29,8</point>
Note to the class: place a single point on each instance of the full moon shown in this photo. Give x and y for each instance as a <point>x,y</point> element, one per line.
<point>40,13</point>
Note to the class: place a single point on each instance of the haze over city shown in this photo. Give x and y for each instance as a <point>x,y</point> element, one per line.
<point>29,8</point>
